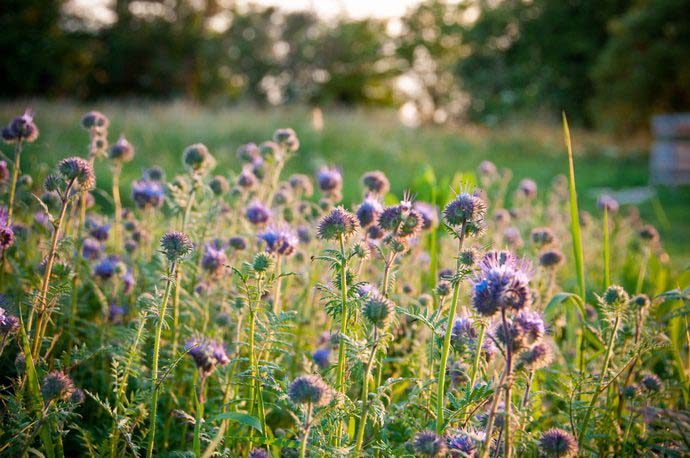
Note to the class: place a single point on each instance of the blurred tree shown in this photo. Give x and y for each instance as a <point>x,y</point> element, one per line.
<point>536,54</point>
<point>645,66</point>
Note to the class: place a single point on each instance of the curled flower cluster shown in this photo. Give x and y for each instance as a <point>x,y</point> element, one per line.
<point>279,240</point>
<point>207,355</point>
<point>310,389</point>
<point>502,283</point>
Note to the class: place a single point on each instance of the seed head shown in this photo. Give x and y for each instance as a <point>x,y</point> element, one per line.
<point>176,245</point>
<point>262,262</point>
<point>339,222</point>
<point>378,310</point>
<point>79,170</point>
<point>57,385</point>
<point>122,150</point>
<point>464,208</point>
<point>376,182</point>
<point>558,443</point>
<point>428,444</point>
<point>310,389</point>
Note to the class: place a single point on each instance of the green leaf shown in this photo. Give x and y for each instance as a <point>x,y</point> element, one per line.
<point>562,297</point>
<point>242,418</point>
<point>575,230</point>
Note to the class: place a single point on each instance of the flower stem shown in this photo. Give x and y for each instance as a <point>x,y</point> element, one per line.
<point>15,176</point>
<point>278,286</point>
<point>201,400</point>
<point>604,369</point>
<point>477,355</point>
<point>117,233</point>
<point>607,257</point>
<point>307,429</point>
<point>365,398</point>
<point>156,352</point>
<point>440,395</point>
<point>508,386</point>
<point>340,382</point>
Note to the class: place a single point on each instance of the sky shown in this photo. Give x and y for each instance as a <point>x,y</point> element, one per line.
<point>98,11</point>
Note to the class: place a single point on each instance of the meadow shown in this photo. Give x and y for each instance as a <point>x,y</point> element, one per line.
<point>179,281</point>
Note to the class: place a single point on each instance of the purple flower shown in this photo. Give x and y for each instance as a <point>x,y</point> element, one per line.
<point>214,259</point>
<point>322,357</point>
<point>369,211</point>
<point>429,214</point>
<point>100,232</point>
<point>116,313</point>
<point>528,188</point>
<point>107,267</point>
<point>21,128</point>
<point>502,283</point>
<point>148,193</point>
<point>257,213</point>
<point>463,333</point>
<point>376,182</point>
<point>207,355</point>
<point>329,179</point>
<point>91,249</point>
<point>558,443</point>
<point>279,239</point>
<point>607,202</point>
<point>9,324</point>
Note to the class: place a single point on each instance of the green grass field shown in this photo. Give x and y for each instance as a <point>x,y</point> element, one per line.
<point>357,141</point>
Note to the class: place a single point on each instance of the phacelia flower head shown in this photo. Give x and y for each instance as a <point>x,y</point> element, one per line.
<point>9,324</point>
<point>526,329</point>
<point>214,258</point>
<point>487,168</point>
<point>196,157</point>
<point>246,179</point>
<point>148,194</point>
<point>108,267</point>
<point>463,444</point>
<point>401,221</point>
<point>237,243</point>
<point>78,170</point>
<point>463,209</point>
<point>219,185</point>
<point>287,138</point>
<point>542,236</point>
<point>310,389</point>
<point>609,203</point>
<point>376,182</point>
<point>258,453</point>
<point>21,128</point>
<point>502,283</point>
<point>176,245</point>
<point>122,150</point>
<point>322,357</point>
<point>279,240</point>
<point>247,152</point>
<point>528,188</point>
<point>551,259</point>
<point>301,184</point>
<point>443,288</point>
<point>463,333</point>
<point>378,310</point>
<point>429,214</point>
<point>57,385</point>
<point>6,237</point>
<point>100,232</point>
<point>94,120</point>
<point>649,233</point>
<point>652,383</point>
<point>615,296</point>
<point>91,249</point>
<point>428,444</point>
<point>329,179</point>
<point>338,223</point>
<point>558,443</point>
<point>369,211</point>
<point>207,355</point>
<point>540,355</point>
<point>154,173</point>
<point>640,301</point>
<point>257,213</point>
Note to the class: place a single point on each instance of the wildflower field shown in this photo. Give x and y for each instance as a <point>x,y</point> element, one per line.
<point>172,289</point>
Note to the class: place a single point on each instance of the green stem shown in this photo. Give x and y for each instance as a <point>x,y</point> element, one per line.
<point>477,355</point>
<point>278,286</point>
<point>643,271</point>
<point>440,394</point>
<point>117,232</point>
<point>340,383</point>
<point>604,369</point>
<point>307,429</point>
<point>156,352</point>
<point>77,269</point>
<point>508,387</point>
<point>201,400</point>
<point>607,258</point>
<point>365,398</point>
<point>15,176</point>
